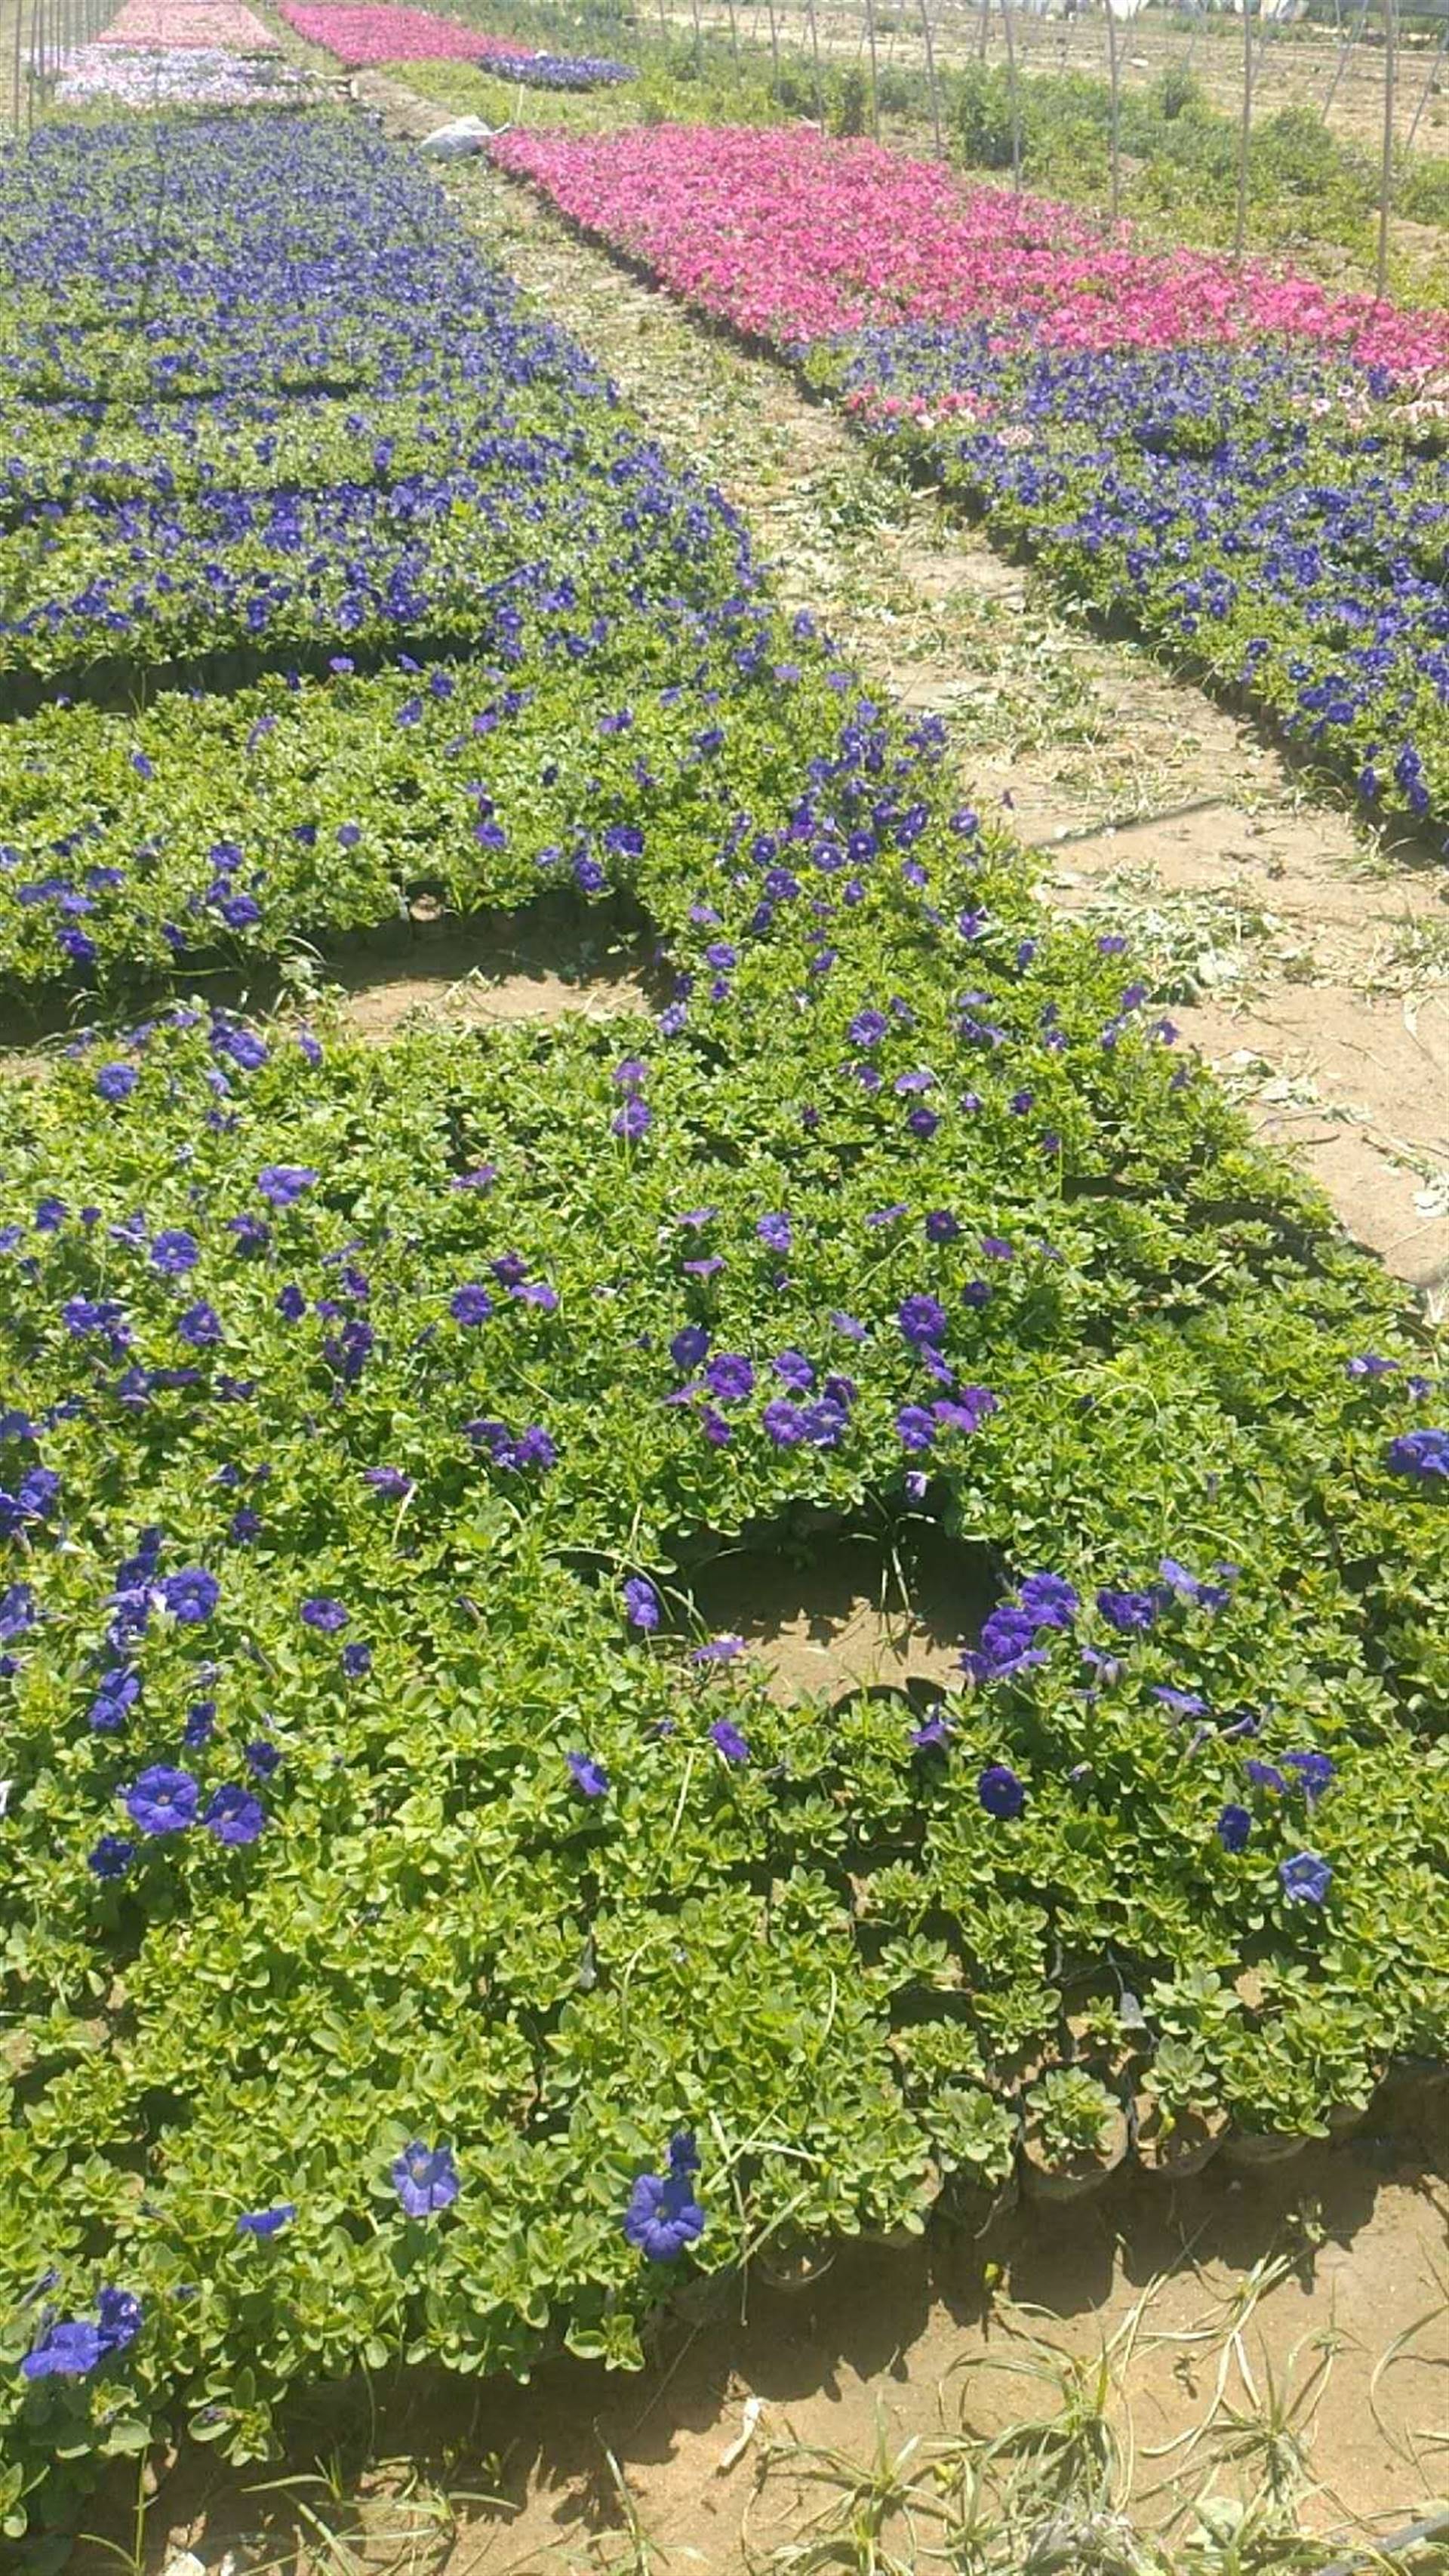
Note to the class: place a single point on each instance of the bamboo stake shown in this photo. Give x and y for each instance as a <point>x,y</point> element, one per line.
<point>1427,91</point>
<point>931,78</point>
<point>1116,113</point>
<point>1386,174</point>
<point>1240,228</point>
<point>1015,95</point>
<point>1344,58</point>
<point>874,91</point>
<point>774,51</point>
<point>815,58</point>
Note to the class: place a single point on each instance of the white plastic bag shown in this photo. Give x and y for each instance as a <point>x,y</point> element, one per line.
<point>454,142</point>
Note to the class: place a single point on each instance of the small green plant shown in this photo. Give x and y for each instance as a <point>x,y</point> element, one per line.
<point>1070,2114</point>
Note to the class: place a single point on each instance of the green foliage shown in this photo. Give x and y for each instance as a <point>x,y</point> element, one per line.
<point>1070,2114</point>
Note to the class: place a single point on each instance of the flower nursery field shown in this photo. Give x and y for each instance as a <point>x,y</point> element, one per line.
<point>428,1938</point>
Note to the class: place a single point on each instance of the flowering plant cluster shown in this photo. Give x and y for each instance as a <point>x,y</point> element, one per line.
<point>424,1935</point>
<point>1229,456</point>
<point>360,35</point>
<point>172,76</point>
<point>171,26</point>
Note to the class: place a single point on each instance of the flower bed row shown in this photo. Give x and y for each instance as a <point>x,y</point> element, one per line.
<point>422,1936</point>
<point>361,36</point>
<point>1230,458</point>
<point>205,76</point>
<point>171,26</point>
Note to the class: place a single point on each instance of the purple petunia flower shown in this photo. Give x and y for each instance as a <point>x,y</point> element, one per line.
<point>265,2223</point>
<point>1000,1791</point>
<point>728,1740</point>
<point>116,1081</point>
<point>589,1777</point>
<point>689,1346</point>
<point>1130,1613</point>
<point>776,1232</point>
<point>162,1801</point>
<point>356,1661</point>
<point>284,1183</point>
<point>633,1120</point>
<point>663,2215</point>
<point>174,1252</point>
<point>425,2178</point>
<point>1306,1878</point>
<point>641,1603</point>
<point>1233,1827</point>
<point>470,1304</point>
<point>319,1611</point>
<point>1423,1454</point>
<point>730,1377</point>
<point>1048,1600</point>
<point>390,1482</point>
<point>111,1857</point>
<point>1313,1771</point>
<point>922,1320</point>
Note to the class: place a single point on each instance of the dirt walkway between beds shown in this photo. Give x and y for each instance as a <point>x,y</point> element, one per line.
<point>1310,965</point>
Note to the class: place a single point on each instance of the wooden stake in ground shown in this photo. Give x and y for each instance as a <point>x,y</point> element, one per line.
<point>1010,35</point>
<point>1240,228</point>
<point>874,76</point>
<point>1114,77</point>
<point>1427,91</point>
<point>1386,173</point>
<point>698,44</point>
<point>774,51</point>
<point>931,77</point>
<point>815,58</point>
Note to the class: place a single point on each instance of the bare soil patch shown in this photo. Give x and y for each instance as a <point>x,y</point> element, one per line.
<point>852,1612</point>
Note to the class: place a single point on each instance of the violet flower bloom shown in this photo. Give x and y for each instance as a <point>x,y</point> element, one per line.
<point>265,2223</point>
<point>284,1183</point>
<point>162,1801</point>
<point>319,1611</point>
<point>1233,1827</point>
<point>191,1595</point>
<point>663,2215</point>
<point>1048,1600</point>
<point>1305,1878</point>
<point>74,2347</point>
<point>589,1777</point>
<point>470,1304</point>
<point>922,1320</point>
<point>111,1857</point>
<point>425,2178</point>
<point>720,1650</point>
<point>730,1377</point>
<point>234,1815</point>
<point>728,1741</point>
<point>1000,1791</point>
<point>1313,1771</point>
<point>1421,1454</point>
<point>641,1603</point>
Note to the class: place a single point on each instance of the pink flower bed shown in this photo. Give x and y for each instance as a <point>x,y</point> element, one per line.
<point>793,236</point>
<point>212,25</point>
<point>360,35</point>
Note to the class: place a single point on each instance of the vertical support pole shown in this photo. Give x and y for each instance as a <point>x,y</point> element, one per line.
<point>1240,228</point>
<point>815,59</point>
<point>1015,94</point>
<point>1427,91</point>
<point>1114,76</point>
<point>931,78</point>
<point>874,75</point>
<point>774,51</point>
<point>1386,173</point>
